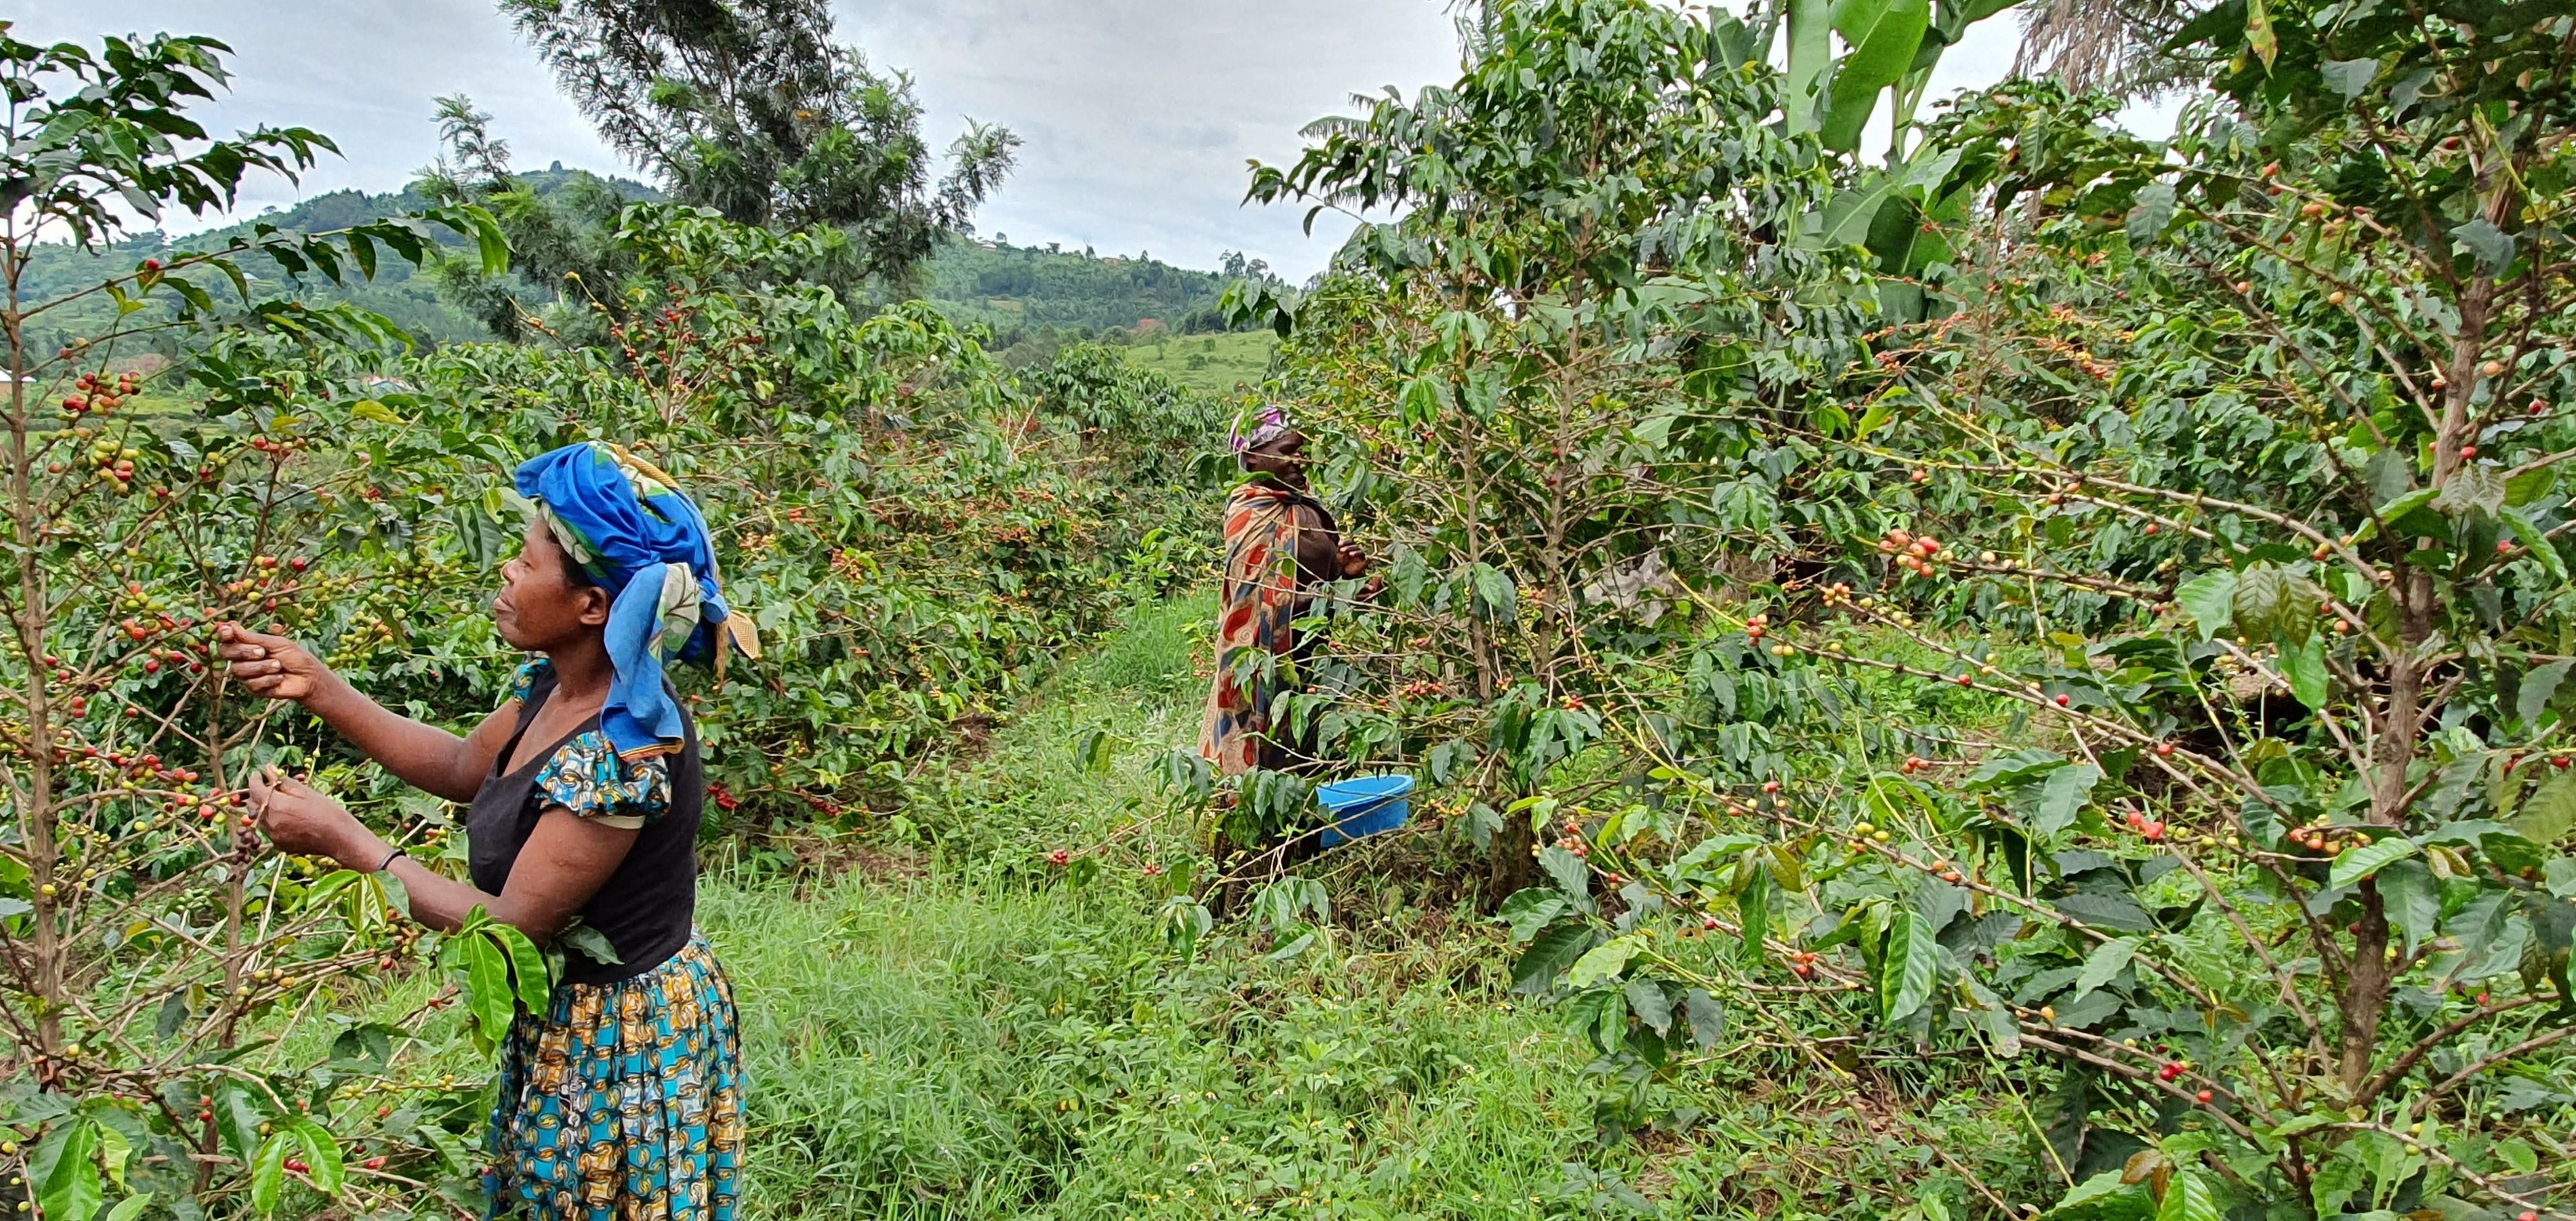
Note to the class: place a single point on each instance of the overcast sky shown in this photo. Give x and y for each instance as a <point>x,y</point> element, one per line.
<point>1138,114</point>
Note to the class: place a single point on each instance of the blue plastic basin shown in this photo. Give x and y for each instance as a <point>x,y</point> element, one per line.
<point>1365,805</point>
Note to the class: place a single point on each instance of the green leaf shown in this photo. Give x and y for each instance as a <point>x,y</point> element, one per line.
<point>1549,955</point>
<point>1884,36</point>
<point>589,943</point>
<point>2538,688</point>
<point>1531,910</point>
<point>2473,489</point>
<point>2395,511</point>
<point>2014,766</point>
<point>2492,247</point>
<point>321,1156</point>
<point>2413,899</point>
<point>2210,600</point>
<point>1992,1017</point>
<point>2305,665</point>
<point>487,987</point>
<point>71,1188</point>
<point>396,895</point>
<point>2261,591</point>
<point>1567,870</point>
<point>2349,77</point>
<point>238,1115</point>
<point>2187,1198</point>
<point>2265,43</point>
<point>527,967</point>
<point>1707,1017</point>
<point>1905,971</point>
<point>268,1171</point>
<point>2356,864</point>
<point>130,1207</point>
<point>2105,963</point>
<point>2551,812</point>
<point>1788,870</point>
<point>2153,213</point>
<point>1600,1016</point>
<point>1494,591</point>
<point>1753,908</point>
<point>1847,217</point>
<point>2535,541</point>
<point>1603,962</point>
<point>2522,489</point>
<point>2093,1190</point>
<point>1647,1000</point>
<point>2062,796</point>
<point>2309,1122</point>
<point>114,1151</point>
<point>1811,55</point>
<point>2104,911</point>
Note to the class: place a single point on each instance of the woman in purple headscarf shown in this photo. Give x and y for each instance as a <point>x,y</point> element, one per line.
<point>623,1099</point>
<point>1280,543</point>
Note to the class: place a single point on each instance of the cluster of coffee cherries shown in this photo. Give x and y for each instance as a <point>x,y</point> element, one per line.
<point>112,463</point>
<point>1423,688</point>
<point>1758,627</point>
<point>1915,553</point>
<point>1573,841</point>
<point>94,394</point>
<point>2326,840</point>
<point>2149,829</point>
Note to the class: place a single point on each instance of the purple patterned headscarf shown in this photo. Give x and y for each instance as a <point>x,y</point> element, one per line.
<point>1272,424</point>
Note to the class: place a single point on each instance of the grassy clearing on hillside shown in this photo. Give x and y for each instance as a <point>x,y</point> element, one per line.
<point>1218,364</point>
<point>958,1030</point>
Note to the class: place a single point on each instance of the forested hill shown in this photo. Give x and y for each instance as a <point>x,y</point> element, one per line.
<point>1016,290</point>
<point>411,301</point>
<point>1009,286</point>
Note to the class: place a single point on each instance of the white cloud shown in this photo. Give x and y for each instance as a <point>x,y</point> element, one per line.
<point>362,73</point>
<point>1141,114</point>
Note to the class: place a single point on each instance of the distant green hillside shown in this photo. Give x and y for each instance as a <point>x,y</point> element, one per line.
<point>1222,365</point>
<point>1022,292</point>
<point>412,303</point>
<point>1008,287</point>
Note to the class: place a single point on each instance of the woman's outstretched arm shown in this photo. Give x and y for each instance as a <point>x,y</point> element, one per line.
<point>565,861</point>
<point>423,756</point>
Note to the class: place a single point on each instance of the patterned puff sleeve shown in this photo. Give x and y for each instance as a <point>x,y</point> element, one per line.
<point>525,681</point>
<point>587,778</point>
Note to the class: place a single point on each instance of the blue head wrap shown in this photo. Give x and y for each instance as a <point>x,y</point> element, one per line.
<point>633,533</point>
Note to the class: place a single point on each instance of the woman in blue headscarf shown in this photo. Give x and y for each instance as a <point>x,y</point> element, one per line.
<point>624,1098</point>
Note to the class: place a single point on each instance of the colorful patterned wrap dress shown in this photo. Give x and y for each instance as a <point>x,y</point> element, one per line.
<point>1256,636</point>
<point>624,1100</point>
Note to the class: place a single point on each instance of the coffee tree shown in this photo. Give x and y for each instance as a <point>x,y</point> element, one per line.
<point>147,950</point>
<point>1528,383</point>
<point>2196,653</point>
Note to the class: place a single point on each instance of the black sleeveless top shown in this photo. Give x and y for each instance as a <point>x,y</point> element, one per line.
<point>647,909</point>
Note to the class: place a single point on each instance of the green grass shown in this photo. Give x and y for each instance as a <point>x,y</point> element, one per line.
<point>954,1028</point>
<point>1218,364</point>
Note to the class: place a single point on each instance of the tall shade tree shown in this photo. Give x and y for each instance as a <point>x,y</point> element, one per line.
<point>750,108</point>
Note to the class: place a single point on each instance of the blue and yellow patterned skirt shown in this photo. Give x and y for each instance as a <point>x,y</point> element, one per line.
<point>624,1102</point>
